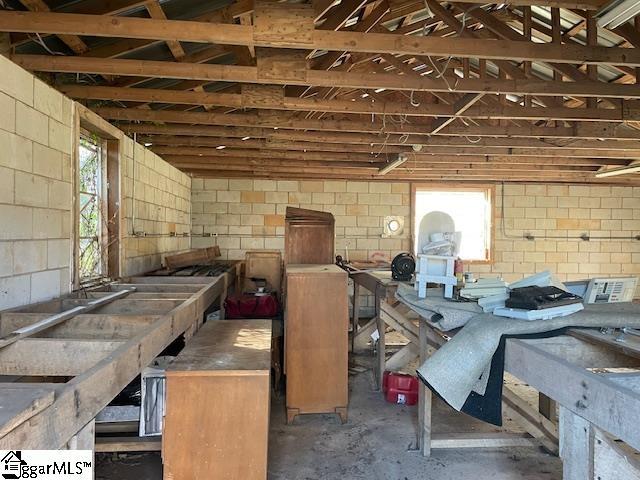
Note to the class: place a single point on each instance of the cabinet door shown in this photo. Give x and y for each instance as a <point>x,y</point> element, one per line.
<point>316,342</point>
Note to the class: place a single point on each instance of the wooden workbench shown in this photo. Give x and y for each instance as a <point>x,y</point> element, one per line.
<point>103,350</point>
<point>562,368</point>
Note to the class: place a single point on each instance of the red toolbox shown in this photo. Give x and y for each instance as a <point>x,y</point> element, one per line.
<point>400,388</point>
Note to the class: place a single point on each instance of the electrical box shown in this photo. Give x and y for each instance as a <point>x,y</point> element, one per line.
<point>611,290</point>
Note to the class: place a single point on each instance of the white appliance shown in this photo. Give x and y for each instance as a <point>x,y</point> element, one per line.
<point>611,290</point>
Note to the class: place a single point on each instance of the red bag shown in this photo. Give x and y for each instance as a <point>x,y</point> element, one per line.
<point>251,306</point>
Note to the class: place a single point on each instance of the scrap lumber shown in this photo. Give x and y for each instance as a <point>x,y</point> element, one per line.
<point>199,256</point>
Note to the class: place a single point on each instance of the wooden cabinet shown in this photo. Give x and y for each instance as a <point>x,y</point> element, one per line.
<point>316,340</point>
<point>217,411</point>
<point>309,236</point>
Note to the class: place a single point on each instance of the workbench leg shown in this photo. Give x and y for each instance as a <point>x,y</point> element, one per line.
<point>576,446</point>
<point>381,351</point>
<point>425,399</point>
<point>85,439</point>
<point>356,315</point>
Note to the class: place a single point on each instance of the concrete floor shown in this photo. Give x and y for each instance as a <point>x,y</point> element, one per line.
<point>378,443</point>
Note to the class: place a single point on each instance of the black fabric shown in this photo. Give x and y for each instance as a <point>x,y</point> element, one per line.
<point>488,407</point>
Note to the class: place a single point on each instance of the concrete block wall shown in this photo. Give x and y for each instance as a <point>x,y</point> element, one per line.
<point>35,188</point>
<point>158,205</point>
<point>36,199</point>
<point>562,213</point>
<point>249,214</point>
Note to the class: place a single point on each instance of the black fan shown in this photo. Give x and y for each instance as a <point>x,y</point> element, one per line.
<point>402,267</point>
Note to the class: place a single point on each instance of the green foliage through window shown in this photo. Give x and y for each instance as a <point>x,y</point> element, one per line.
<point>90,262</point>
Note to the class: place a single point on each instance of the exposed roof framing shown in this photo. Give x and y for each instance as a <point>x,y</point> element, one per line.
<point>527,90</point>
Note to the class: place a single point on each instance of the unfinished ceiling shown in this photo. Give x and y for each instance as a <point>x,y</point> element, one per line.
<point>415,89</point>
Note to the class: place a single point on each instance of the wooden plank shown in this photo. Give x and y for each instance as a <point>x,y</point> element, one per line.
<point>52,320</point>
<point>607,405</point>
<point>83,397</point>
<point>577,438</point>
<point>54,357</point>
<point>128,444</point>
<point>82,326</point>
<point>200,256</point>
<point>270,75</point>
<point>91,25</point>
<point>129,307</point>
<point>226,347</point>
<point>613,460</point>
<point>21,403</point>
<point>481,440</point>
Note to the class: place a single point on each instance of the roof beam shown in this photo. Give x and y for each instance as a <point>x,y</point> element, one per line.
<point>247,74</point>
<point>200,32</point>
<point>472,134</point>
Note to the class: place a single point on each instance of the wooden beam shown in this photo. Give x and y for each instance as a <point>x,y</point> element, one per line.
<point>248,74</point>
<point>200,32</point>
<point>452,135</point>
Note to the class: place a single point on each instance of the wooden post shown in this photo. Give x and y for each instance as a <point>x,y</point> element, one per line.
<point>424,400</point>
<point>576,446</point>
<point>85,439</point>
<point>381,347</point>
<point>356,314</point>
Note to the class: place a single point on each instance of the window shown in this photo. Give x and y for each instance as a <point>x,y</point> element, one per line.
<point>91,260</point>
<point>464,215</point>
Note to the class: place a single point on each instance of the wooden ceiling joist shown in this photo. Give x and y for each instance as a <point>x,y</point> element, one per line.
<point>303,36</point>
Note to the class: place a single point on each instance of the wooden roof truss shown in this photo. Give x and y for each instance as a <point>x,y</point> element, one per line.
<point>529,90</point>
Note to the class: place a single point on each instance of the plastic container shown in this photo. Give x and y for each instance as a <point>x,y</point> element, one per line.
<point>400,388</point>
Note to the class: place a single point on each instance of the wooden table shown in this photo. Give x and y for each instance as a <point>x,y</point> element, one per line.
<point>561,368</point>
<point>380,283</point>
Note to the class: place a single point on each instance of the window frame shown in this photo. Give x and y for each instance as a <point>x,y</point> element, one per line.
<point>86,123</point>
<point>488,189</point>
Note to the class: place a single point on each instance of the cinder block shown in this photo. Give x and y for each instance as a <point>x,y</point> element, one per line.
<point>236,208</point>
<point>389,199</point>
<point>248,243</point>
<point>6,185</point>
<point>601,213</point>
<point>252,219</point>
<point>379,187</point>
<point>369,221</point>
<point>400,188</point>
<point>558,190</point>
<point>15,81</point>
<point>579,190</point>
<point>335,186</point>
<point>367,244</point>
<point>45,285</point>
<point>60,195</point>
<point>240,230</point>
<point>216,184</point>
<point>251,197</point>
<point>32,124</point>
<point>48,101</point>
<point>346,198</point>
<point>512,189</point>
<point>277,197</point>
<point>274,243</point>
<point>218,207</point>
<point>204,196</point>
<point>357,209</point>
<point>228,219</point>
<point>14,291</point>
<point>264,208</point>
<point>16,151</point>
<point>346,221</point>
<point>274,220</point>
<point>240,184</point>
<point>60,136</point>
<point>358,187</point>
<point>6,259</point>
<point>335,210</point>
<point>546,201</point>
<point>264,185</point>
<point>287,186</point>
<point>568,202</point>
<point>311,186</point>
<point>324,198</point>
<point>29,256</point>
<point>262,231</point>
<point>589,202</point>
<point>556,257</point>
<point>229,197</point>
<point>58,253</point>
<point>8,109</point>
<point>30,190</point>
<point>47,223</point>
<point>369,198</point>
<point>297,198</point>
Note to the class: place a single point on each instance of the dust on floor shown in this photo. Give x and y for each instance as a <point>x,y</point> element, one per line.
<point>377,443</point>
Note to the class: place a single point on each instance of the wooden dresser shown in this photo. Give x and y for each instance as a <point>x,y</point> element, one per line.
<point>316,340</point>
<point>217,412</point>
